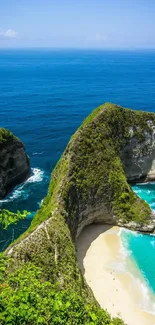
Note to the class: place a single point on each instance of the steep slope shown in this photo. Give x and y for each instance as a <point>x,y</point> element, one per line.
<point>90,184</point>
<point>14,163</point>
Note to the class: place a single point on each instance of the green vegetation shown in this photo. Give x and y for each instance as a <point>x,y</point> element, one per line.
<point>27,299</point>
<point>96,169</point>
<point>7,217</point>
<point>89,176</point>
<point>5,136</point>
<point>90,170</point>
<point>126,205</point>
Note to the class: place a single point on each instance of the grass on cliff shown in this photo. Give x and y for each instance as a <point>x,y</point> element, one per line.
<point>90,173</point>
<point>96,172</point>
<point>90,170</point>
<point>5,136</point>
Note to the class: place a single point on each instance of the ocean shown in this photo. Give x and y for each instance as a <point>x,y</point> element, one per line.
<point>44,97</point>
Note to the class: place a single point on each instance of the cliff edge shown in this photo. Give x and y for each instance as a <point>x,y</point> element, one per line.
<point>91,184</point>
<point>14,163</point>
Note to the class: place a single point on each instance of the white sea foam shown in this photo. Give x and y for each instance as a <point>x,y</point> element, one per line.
<point>119,265</point>
<point>37,176</point>
<point>122,265</point>
<point>37,153</point>
<point>40,203</point>
<point>152,242</point>
<point>148,298</point>
<point>152,206</point>
<point>137,191</point>
<point>153,182</point>
<point>20,191</point>
<point>15,195</point>
<point>128,231</point>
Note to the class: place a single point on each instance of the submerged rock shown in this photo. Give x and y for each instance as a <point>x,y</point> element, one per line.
<point>14,163</point>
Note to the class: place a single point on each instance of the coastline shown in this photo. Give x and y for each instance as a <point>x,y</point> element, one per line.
<point>98,253</point>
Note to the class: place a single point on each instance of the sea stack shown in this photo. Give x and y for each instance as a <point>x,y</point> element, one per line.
<point>14,162</point>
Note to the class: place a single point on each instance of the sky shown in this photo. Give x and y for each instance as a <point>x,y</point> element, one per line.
<point>103,24</point>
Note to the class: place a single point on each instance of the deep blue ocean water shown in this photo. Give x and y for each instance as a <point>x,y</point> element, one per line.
<point>44,97</point>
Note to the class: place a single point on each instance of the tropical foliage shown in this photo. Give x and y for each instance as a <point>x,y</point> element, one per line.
<point>7,217</point>
<point>27,299</point>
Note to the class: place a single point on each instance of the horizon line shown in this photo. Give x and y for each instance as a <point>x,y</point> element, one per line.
<point>77,48</point>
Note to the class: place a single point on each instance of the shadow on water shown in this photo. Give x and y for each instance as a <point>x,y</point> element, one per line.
<point>86,238</point>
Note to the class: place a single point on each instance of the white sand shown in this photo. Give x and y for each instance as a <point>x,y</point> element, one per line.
<point>98,247</point>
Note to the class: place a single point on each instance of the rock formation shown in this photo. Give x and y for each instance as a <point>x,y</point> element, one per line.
<point>14,163</point>
<point>89,185</point>
<point>138,155</point>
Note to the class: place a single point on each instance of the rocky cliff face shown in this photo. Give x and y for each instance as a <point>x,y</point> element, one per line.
<point>90,184</point>
<point>114,146</point>
<point>14,163</point>
<point>138,157</point>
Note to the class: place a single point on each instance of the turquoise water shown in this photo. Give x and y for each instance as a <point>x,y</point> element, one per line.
<point>141,248</point>
<point>146,192</point>
<point>44,97</point>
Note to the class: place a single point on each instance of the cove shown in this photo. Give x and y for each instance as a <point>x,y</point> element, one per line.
<point>142,246</point>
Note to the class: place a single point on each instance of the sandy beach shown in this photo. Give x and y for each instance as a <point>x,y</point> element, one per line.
<point>98,247</point>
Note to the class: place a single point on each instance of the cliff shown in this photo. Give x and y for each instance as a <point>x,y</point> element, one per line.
<point>14,163</point>
<point>90,184</point>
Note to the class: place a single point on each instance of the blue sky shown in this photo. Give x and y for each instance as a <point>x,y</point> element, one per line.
<point>78,23</point>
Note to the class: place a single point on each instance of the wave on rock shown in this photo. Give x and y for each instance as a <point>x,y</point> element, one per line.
<point>37,176</point>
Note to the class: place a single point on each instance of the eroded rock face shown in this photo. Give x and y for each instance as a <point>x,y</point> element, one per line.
<point>138,158</point>
<point>90,184</point>
<point>14,164</point>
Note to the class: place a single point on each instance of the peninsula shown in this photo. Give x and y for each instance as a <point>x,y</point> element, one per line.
<point>113,148</point>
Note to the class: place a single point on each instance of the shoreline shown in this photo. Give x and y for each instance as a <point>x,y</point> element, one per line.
<point>100,259</point>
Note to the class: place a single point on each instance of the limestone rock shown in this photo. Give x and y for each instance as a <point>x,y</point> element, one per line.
<point>90,184</point>
<point>14,163</point>
<point>138,157</point>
